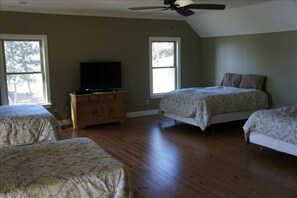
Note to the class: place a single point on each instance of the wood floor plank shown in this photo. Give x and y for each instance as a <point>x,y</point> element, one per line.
<point>168,160</point>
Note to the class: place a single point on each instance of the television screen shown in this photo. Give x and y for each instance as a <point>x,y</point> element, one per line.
<point>100,76</point>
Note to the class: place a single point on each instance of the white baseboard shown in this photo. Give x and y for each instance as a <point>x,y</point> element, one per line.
<point>128,115</point>
<point>142,113</point>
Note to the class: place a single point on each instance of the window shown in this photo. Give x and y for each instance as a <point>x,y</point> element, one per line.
<point>164,65</point>
<point>24,69</point>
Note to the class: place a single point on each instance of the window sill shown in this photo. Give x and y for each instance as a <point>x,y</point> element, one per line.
<point>157,96</point>
<point>47,106</point>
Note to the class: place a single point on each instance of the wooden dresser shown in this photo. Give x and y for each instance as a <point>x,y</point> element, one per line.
<point>98,108</point>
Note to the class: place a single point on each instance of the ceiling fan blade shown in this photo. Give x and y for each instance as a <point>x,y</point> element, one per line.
<point>159,10</point>
<point>147,8</point>
<point>185,11</point>
<point>206,6</point>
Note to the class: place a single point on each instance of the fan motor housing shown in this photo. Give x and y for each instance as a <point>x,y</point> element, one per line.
<point>169,2</point>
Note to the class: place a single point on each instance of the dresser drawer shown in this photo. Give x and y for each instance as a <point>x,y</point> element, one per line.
<point>86,98</point>
<point>115,96</point>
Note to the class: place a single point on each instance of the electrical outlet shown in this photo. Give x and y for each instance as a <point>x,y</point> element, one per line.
<point>147,102</point>
<point>55,110</point>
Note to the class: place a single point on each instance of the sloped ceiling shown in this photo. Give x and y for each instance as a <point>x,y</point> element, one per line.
<point>271,16</point>
<point>113,8</point>
<point>239,17</point>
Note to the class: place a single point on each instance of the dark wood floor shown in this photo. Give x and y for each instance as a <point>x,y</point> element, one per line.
<point>165,160</point>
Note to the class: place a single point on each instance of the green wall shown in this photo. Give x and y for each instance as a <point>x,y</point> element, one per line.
<point>271,54</point>
<point>73,39</point>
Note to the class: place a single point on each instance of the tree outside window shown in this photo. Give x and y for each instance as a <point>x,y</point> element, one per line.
<point>24,71</point>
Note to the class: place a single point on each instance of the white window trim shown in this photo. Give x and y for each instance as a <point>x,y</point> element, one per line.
<point>45,64</point>
<point>178,62</point>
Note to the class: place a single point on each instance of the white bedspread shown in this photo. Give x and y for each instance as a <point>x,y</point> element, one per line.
<point>202,103</point>
<point>279,124</point>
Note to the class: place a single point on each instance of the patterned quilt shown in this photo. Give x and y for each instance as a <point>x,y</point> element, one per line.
<point>25,124</point>
<point>280,124</point>
<point>202,103</point>
<point>75,167</point>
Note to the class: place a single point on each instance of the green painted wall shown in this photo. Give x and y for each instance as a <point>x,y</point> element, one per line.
<point>271,54</point>
<point>73,39</point>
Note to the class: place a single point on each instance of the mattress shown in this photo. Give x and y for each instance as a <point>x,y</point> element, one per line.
<point>26,124</point>
<point>203,103</point>
<point>75,167</point>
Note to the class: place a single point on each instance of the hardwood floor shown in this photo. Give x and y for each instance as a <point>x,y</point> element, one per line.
<point>165,160</point>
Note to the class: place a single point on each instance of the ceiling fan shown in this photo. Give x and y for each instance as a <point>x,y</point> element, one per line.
<point>183,10</point>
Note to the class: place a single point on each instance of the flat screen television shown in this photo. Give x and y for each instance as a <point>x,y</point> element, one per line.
<point>100,76</point>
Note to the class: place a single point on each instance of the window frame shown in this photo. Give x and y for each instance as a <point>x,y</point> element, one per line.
<point>44,65</point>
<point>177,62</point>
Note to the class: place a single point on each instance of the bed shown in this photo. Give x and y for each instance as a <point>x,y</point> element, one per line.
<point>236,99</point>
<point>273,128</point>
<point>25,124</point>
<point>75,167</point>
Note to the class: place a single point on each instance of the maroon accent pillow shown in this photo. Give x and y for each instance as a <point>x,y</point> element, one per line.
<point>252,81</point>
<point>231,80</point>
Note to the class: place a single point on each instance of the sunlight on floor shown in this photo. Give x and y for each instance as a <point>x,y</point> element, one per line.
<point>164,158</point>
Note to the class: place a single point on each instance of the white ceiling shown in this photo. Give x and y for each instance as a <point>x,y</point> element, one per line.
<point>270,16</point>
<point>205,23</point>
<point>112,8</point>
